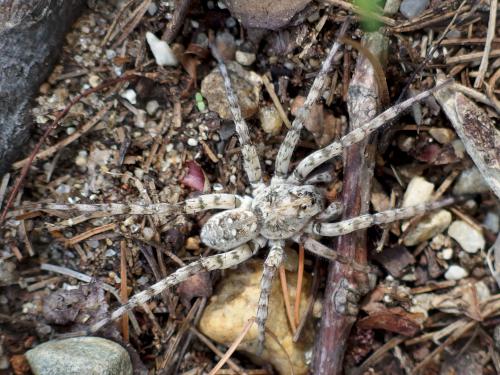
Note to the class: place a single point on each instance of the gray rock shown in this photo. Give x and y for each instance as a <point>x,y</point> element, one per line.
<point>79,355</point>
<point>31,33</point>
<point>470,181</point>
<point>412,8</point>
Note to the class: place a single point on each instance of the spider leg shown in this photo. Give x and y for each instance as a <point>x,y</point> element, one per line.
<point>317,248</point>
<point>368,220</point>
<point>271,264</point>
<point>292,137</point>
<point>319,178</point>
<point>211,263</point>
<point>320,156</point>
<point>189,206</point>
<point>251,162</point>
<point>333,211</point>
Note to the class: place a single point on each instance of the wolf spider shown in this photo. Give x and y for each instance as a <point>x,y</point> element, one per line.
<point>290,207</point>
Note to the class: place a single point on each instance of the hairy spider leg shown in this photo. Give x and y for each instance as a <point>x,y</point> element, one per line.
<point>318,157</point>
<point>292,137</point>
<point>251,162</point>
<point>211,263</point>
<point>368,220</point>
<point>189,206</point>
<point>271,264</point>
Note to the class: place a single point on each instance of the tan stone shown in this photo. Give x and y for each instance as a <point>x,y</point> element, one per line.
<point>235,302</point>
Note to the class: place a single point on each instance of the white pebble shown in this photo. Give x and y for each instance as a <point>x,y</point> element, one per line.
<point>470,239</point>
<point>130,95</point>
<point>455,272</point>
<point>447,253</point>
<point>492,222</point>
<point>270,120</point>
<point>139,173</point>
<point>151,107</point>
<point>110,253</point>
<point>192,142</point>
<point>161,51</point>
<point>148,233</point>
<point>152,9</point>
<point>70,130</point>
<point>245,58</point>
<point>418,191</point>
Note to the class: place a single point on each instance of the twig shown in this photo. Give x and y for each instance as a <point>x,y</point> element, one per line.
<point>471,57</point>
<point>3,187</point>
<point>47,132</point>
<point>181,10</point>
<point>233,346</point>
<point>286,298</point>
<point>487,45</point>
<point>92,232</point>
<point>270,90</point>
<point>132,23</point>
<point>68,140</point>
<point>363,104</point>
<point>217,352</point>
<point>123,287</point>
<point>300,279</point>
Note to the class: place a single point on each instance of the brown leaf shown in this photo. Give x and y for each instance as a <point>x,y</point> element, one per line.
<point>395,260</point>
<point>393,320</point>
<point>199,285</point>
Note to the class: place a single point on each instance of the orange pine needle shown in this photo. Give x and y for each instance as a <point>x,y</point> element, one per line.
<point>123,287</point>
<point>233,346</point>
<point>300,278</point>
<point>286,298</point>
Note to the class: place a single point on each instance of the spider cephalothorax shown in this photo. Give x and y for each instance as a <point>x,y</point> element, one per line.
<point>290,208</point>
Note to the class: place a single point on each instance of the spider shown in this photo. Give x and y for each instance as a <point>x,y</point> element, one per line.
<point>290,207</point>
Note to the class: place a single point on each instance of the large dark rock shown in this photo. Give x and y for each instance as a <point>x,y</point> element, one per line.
<point>31,34</point>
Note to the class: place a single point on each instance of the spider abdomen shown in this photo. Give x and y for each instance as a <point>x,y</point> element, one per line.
<point>229,229</point>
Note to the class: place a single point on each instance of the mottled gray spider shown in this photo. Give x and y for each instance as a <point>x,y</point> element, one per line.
<point>289,208</point>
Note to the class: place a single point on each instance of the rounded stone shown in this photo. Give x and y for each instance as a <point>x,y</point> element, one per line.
<point>80,355</point>
<point>246,85</point>
<point>455,272</point>
<point>468,237</point>
<point>429,227</point>
<point>235,302</point>
<point>270,120</point>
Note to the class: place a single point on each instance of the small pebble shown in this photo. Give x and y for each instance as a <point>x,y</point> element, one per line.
<point>412,8</point>
<point>429,227</point>
<point>70,130</point>
<point>246,86</point>
<point>418,191</point>
<point>82,159</point>
<point>442,135</point>
<point>270,120</point>
<point>447,254</point>
<point>193,243</point>
<point>148,233</point>
<point>152,8</point>
<point>492,222</point>
<point>192,142</point>
<point>151,107</point>
<point>130,95</point>
<point>161,51</point>
<point>455,272</point>
<point>245,58</point>
<point>7,272</point>
<point>94,80</point>
<point>139,173</point>
<point>391,7</point>
<point>63,189</point>
<point>109,253</point>
<point>467,236</point>
<point>79,355</point>
<point>470,181</point>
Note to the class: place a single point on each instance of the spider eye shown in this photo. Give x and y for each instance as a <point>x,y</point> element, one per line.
<point>304,206</point>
